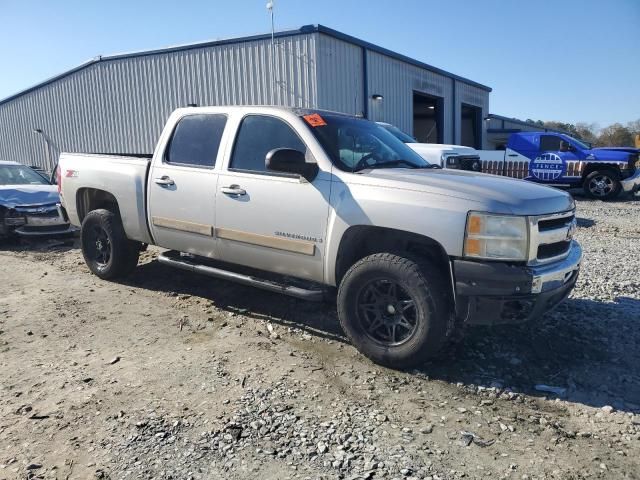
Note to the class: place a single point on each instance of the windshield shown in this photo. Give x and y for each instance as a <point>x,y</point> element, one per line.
<point>581,144</point>
<point>20,175</point>
<point>399,134</point>
<point>354,144</point>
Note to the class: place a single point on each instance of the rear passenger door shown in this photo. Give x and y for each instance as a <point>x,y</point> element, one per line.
<point>270,220</point>
<point>182,187</point>
<point>550,164</point>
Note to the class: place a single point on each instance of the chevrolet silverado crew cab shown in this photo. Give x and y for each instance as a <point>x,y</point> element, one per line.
<point>560,160</point>
<point>303,202</point>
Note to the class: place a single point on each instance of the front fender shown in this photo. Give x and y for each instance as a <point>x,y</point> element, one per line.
<point>438,217</point>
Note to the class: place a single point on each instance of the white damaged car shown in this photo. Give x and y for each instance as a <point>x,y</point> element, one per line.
<point>456,157</point>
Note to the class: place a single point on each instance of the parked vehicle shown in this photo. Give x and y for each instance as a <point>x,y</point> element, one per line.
<point>446,156</point>
<point>29,204</point>
<point>301,202</point>
<point>560,160</point>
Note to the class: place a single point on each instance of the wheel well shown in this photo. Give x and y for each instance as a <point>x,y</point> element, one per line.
<point>88,199</point>
<point>361,241</point>
<point>594,167</point>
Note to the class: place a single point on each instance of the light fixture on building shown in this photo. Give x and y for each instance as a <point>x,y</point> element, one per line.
<point>431,107</point>
<point>377,97</point>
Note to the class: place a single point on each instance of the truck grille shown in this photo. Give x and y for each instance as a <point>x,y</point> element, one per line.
<point>551,237</point>
<point>47,211</point>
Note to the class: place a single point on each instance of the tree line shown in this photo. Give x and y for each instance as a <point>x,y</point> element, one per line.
<point>615,135</point>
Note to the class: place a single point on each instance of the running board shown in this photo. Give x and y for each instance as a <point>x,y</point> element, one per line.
<point>190,264</point>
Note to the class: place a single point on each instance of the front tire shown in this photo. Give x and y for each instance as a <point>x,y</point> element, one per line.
<point>602,184</point>
<point>395,310</point>
<point>106,249</point>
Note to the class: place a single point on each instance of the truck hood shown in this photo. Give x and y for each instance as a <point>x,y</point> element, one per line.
<point>441,147</point>
<point>619,149</point>
<point>609,154</point>
<point>12,196</point>
<point>497,194</point>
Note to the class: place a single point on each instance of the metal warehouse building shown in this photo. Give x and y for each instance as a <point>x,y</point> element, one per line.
<point>119,103</point>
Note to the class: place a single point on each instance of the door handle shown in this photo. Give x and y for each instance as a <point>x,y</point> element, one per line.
<point>233,190</point>
<point>164,181</point>
<point>512,155</point>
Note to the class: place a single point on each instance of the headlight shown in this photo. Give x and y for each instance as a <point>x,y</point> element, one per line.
<point>496,237</point>
<point>13,218</point>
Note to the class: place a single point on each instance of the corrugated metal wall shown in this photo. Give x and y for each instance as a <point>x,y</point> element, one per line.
<point>396,81</point>
<point>120,104</point>
<point>340,80</point>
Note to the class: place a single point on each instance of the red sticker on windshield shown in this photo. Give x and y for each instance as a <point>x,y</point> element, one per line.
<point>315,120</point>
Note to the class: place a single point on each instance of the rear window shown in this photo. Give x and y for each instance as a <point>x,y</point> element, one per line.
<point>196,140</point>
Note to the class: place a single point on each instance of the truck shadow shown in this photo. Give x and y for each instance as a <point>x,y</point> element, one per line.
<point>586,348</point>
<point>318,319</point>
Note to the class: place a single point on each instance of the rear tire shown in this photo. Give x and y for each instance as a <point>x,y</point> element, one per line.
<point>602,184</point>
<point>106,249</point>
<point>395,310</point>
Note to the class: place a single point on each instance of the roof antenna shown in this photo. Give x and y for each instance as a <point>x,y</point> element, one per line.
<point>270,5</point>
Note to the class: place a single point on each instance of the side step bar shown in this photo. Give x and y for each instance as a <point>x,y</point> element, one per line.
<point>189,263</point>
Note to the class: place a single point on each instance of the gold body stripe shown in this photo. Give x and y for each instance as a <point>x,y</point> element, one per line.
<point>183,226</point>
<point>295,246</point>
<point>286,244</point>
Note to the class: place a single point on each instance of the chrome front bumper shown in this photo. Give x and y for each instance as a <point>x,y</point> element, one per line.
<point>631,184</point>
<point>555,275</point>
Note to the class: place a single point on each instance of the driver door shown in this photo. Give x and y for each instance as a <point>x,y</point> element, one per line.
<point>270,220</point>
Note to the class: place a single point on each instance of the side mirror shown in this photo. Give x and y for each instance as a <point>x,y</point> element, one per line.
<point>288,160</point>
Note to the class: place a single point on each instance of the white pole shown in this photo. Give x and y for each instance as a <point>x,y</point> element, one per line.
<point>48,145</point>
<point>270,6</point>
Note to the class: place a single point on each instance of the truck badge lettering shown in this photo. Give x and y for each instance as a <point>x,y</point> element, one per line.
<point>296,236</point>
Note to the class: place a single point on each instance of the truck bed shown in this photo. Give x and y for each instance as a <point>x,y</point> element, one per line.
<point>124,177</point>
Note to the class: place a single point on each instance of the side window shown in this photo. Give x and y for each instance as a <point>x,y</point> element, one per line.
<point>196,140</point>
<point>549,143</point>
<point>258,135</point>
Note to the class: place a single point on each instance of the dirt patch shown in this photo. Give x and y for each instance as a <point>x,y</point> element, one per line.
<point>215,380</point>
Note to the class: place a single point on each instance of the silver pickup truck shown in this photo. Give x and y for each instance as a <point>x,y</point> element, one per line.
<point>307,202</point>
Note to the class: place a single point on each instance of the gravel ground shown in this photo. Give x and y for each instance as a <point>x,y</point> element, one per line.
<point>176,376</point>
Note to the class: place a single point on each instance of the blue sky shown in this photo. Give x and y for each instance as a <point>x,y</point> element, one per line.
<point>565,60</point>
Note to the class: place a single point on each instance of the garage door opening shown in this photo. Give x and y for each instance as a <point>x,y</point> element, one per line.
<point>428,118</point>
<point>471,130</point>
